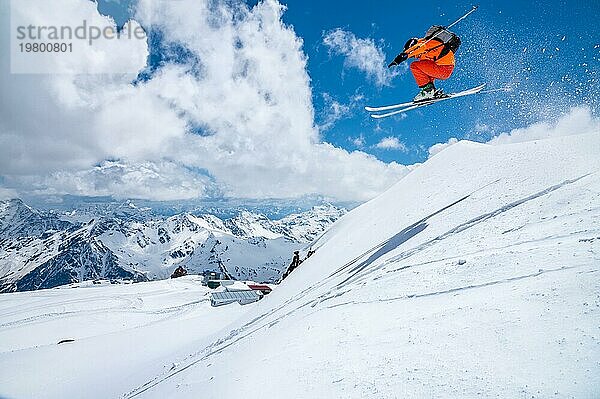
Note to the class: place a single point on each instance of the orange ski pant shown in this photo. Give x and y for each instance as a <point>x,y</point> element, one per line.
<point>426,71</point>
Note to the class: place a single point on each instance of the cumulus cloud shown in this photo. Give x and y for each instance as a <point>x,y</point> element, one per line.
<point>391,143</point>
<point>98,46</point>
<point>47,121</point>
<point>333,111</point>
<point>361,54</point>
<point>579,120</point>
<point>162,181</point>
<point>240,112</point>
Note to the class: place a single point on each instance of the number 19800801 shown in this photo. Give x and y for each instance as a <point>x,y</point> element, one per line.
<point>46,47</point>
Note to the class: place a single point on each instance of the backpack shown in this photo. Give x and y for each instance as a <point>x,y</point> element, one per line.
<point>450,40</point>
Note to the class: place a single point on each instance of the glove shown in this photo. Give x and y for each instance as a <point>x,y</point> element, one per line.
<point>411,42</point>
<point>400,58</point>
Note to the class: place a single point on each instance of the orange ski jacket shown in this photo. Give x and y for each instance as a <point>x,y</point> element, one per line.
<point>424,50</point>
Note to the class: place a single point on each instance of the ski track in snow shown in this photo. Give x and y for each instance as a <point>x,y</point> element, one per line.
<point>130,307</point>
<point>365,270</point>
<point>458,289</point>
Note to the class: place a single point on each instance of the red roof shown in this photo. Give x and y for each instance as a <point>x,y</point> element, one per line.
<point>260,287</point>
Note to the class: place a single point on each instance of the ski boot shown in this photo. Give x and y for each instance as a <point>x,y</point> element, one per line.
<point>429,92</point>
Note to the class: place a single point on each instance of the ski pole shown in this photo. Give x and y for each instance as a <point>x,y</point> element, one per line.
<point>463,17</point>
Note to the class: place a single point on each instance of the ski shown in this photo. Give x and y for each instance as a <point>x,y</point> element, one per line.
<point>412,105</point>
<point>389,107</point>
<point>401,105</point>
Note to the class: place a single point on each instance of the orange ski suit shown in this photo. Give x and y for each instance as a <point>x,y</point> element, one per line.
<point>429,67</point>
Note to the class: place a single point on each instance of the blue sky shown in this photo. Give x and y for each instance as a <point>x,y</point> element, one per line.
<point>223,105</point>
<point>494,41</point>
<point>550,61</point>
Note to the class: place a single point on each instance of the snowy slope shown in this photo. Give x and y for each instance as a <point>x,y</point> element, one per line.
<point>478,274</point>
<point>121,334</point>
<point>405,319</point>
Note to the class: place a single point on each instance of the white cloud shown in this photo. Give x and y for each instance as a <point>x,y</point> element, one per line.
<point>47,121</point>
<point>333,111</point>
<point>358,141</point>
<point>160,181</point>
<point>362,54</point>
<point>578,120</point>
<point>436,148</point>
<point>6,193</point>
<point>125,53</point>
<point>250,95</point>
<point>391,143</point>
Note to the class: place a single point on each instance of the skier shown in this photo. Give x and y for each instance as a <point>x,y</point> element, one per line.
<point>435,54</point>
<point>295,263</point>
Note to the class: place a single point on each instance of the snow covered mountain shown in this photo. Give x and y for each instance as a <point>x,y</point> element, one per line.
<point>307,226</point>
<point>43,250</point>
<point>19,220</point>
<point>477,275</point>
<point>301,227</point>
<point>57,258</point>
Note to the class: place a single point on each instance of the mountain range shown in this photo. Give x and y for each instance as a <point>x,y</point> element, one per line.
<point>44,249</point>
